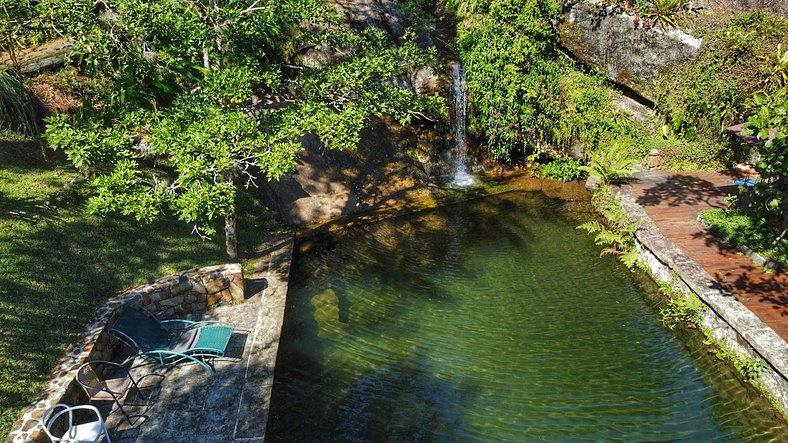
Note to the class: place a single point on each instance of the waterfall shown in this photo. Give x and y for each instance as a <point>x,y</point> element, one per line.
<point>461,174</point>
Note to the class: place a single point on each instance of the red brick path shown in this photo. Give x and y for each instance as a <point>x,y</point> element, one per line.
<point>673,201</point>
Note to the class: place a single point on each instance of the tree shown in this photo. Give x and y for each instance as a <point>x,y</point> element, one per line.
<point>170,126</point>
<point>771,193</point>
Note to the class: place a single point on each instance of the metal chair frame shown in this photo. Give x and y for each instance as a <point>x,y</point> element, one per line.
<point>93,391</point>
<point>51,416</point>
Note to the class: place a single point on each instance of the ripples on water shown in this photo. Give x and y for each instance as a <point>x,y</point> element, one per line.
<point>494,320</point>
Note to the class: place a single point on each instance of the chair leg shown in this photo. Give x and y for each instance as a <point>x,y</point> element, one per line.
<point>136,386</point>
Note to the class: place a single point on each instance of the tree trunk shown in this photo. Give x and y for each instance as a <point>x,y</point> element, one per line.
<point>231,242</point>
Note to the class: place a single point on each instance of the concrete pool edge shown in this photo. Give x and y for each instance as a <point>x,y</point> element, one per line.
<point>269,281</point>
<point>727,319</point>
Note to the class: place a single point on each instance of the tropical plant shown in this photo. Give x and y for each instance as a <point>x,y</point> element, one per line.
<point>611,164</point>
<point>17,111</point>
<point>665,13</point>
<point>771,193</point>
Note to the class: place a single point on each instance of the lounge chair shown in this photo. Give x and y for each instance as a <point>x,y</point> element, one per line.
<point>171,342</point>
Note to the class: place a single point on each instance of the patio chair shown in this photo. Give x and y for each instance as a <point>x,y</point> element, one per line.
<point>171,342</point>
<point>88,432</point>
<point>750,175</point>
<point>107,381</point>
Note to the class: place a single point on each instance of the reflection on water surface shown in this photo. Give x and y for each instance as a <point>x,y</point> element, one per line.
<point>491,320</point>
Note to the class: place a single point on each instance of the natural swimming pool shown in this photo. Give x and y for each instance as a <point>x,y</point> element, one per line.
<point>491,320</point>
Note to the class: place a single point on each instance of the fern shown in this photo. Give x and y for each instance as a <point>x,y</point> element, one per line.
<point>617,234</point>
<point>611,164</point>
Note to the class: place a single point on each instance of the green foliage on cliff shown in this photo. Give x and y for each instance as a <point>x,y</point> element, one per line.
<point>523,94</point>
<point>738,57</point>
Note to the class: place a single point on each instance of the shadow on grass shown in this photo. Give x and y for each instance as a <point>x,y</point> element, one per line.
<point>59,264</point>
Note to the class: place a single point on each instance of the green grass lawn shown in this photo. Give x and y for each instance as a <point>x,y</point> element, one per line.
<point>738,228</point>
<point>58,264</point>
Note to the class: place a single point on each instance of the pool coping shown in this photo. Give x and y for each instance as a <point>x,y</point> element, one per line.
<point>729,321</point>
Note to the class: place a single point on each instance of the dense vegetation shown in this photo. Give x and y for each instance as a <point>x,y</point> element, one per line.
<point>524,95</point>
<point>169,133</point>
<point>740,56</point>
<point>526,98</point>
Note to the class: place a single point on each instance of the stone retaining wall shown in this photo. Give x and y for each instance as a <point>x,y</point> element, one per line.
<point>189,294</point>
<point>728,320</point>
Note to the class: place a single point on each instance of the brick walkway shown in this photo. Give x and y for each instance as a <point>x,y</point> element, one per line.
<point>673,201</point>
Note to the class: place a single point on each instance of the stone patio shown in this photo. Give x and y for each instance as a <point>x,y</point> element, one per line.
<point>188,403</point>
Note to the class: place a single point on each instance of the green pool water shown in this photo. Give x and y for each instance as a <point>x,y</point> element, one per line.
<point>491,320</point>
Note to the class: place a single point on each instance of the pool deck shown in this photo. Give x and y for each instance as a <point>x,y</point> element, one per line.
<point>673,200</point>
<point>188,403</point>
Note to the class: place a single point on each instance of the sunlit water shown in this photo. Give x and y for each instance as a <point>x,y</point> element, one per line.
<point>494,320</point>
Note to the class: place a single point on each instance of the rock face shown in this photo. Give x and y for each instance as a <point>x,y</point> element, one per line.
<point>631,56</point>
<point>391,163</point>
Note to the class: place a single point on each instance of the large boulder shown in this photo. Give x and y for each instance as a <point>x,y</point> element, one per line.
<point>629,55</point>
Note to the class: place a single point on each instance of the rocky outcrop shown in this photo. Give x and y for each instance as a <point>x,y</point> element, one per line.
<point>391,165</point>
<point>629,55</point>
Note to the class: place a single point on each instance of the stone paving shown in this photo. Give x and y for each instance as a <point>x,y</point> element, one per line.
<point>188,403</point>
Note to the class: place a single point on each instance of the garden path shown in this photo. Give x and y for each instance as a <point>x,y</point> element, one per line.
<point>673,201</point>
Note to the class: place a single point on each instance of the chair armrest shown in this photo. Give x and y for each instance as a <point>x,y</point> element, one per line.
<point>188,324</point>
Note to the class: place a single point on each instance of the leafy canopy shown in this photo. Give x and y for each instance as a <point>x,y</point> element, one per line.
<point>169,124</point>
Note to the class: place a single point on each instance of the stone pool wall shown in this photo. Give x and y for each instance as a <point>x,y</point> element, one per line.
<point>188,294</point>
<point>726,318</point>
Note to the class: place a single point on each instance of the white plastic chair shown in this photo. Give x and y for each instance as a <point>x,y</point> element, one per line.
<point>90,432</point>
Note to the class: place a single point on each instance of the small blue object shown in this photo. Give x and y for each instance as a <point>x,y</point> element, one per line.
<point>744,182</point>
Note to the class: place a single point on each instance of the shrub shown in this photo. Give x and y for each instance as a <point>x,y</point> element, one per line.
<point>679,155</point>
<point>565,169</point>
<point>666,13</point>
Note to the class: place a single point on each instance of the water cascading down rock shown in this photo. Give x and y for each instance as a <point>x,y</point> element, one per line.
<point>461,175</point>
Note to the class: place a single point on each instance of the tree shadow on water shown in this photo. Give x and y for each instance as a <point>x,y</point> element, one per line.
<point>396,401</point>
